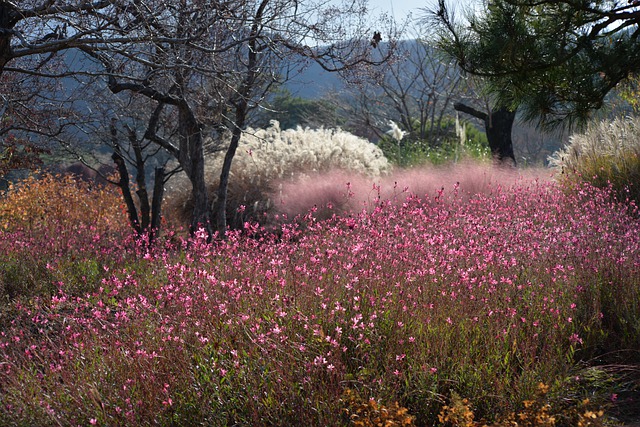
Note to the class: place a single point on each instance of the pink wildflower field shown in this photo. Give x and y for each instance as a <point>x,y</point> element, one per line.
<point>407,295</point>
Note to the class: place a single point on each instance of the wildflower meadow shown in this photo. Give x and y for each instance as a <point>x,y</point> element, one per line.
<point>515,302</point>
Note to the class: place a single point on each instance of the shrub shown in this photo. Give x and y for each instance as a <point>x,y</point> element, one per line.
<point>63,202</point>
<point>369,413</point>
<point>49,225</point>
<point>540,411</point>
<point>267,155</point>
<point>442,147</point>
<point>606,154</point>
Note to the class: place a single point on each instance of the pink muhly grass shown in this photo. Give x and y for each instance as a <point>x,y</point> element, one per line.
<point>349,192</point>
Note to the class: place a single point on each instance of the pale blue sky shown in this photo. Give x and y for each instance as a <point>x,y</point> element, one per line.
<point>399,9</point>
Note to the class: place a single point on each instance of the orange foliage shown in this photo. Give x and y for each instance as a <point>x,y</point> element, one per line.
<point>49,202</point>
<point>370,413</point>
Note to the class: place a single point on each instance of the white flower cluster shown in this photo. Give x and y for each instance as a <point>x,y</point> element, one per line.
<point>395,131</point>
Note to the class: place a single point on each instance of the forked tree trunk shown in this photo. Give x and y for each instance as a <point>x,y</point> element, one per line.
<point>147,221</point>
<point>190,151</point>
<point>123,183</point>
<point>498,126</point>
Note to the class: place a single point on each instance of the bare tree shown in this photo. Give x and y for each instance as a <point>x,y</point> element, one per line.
<point>420,91</point>
<point>144,216</point>
<point>202,64</point>
<point>34,28</point>
<point>415,89</point>
<point>215,61</point>
<point>35,70</point>
<point>136,165</point>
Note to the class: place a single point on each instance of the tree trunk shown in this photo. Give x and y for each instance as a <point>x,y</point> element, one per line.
<point>192,161</point>
<point>498,125</point>
<point>220,207</point>
<point>156,204</point>
<point>141,181</point>
<point>9,17</point>
<point>498,129</point>
<point>148,220</point>
<point>123,183</point>
<point>241,104</point>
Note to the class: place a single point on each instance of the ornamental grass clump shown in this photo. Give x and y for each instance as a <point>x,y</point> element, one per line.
<point>267,156</point>
<point>607,154</point>
<point>350,193</point>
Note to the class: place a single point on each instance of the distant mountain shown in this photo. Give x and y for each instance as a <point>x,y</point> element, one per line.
<point>313,82</point>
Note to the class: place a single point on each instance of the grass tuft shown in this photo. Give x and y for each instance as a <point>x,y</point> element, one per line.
<point>606,155</point>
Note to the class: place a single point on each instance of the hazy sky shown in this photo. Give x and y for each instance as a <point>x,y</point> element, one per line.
<point>399,9</point>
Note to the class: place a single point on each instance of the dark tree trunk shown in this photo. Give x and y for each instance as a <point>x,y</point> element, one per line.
<point>123,183</point>
<point>498,126</point>
<point>156,204</point>
<point>9,17</point>
<point>151,215</point>
<point>141,181</point>
<point>220,207</point>
<point>241,104</point>
<point>190,151</point>
<point>148,219</point>
<point>192,161</point>
<point>498,131</point>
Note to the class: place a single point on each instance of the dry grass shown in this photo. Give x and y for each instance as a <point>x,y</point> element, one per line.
<point>606,154</point>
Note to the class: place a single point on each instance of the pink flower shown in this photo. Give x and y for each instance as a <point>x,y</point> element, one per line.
<point>575,339</point>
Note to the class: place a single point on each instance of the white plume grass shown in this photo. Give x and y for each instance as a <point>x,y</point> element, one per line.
<point>395,131</point>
